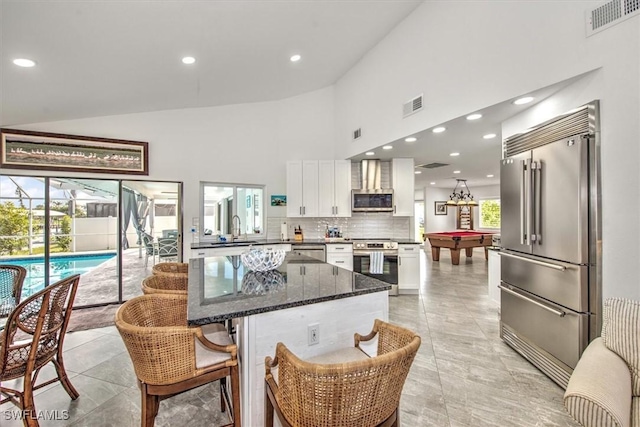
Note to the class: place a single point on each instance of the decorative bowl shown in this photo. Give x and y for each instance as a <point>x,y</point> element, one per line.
<point>261,260</point>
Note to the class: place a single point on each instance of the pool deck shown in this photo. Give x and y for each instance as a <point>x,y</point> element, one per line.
<point>100,285</point>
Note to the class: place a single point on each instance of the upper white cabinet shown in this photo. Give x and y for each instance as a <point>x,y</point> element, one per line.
<point>334,194</point>
<point>402,181</point>
<point>302,188</point>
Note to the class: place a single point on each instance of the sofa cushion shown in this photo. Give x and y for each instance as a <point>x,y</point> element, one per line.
<point>598,397</point>
<point>621,334</point>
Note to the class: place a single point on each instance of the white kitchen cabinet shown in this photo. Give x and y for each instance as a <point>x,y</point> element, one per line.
<point>340,255</point>
<point>408,268</point>
<point>402,181</point>
<point>302,188</point>
<point>334,193</point>
<point>493,278</point>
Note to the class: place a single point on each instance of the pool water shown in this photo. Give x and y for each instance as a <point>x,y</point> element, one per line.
<point>60,267</point>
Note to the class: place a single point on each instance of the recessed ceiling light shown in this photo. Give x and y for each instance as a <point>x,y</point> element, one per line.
<point>456,171</point>
<point>489,176</point>
<point>454,154</point>
<point>523,100</point>
<point>24,62</point>
<point>387,147</point>
<point>474,116</point>
<point>489,136</point>
<point>418,172</point>
<point>369,153</point>
<point>411,139</point>
<point>188,60</point>
<point>295,58</point>
<point>432,183</point>
<point>439,129</point>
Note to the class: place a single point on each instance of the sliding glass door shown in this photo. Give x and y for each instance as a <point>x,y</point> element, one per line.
<point>110,231</point>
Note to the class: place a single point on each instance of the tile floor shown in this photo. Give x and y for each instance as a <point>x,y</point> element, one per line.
<point>463,375</point>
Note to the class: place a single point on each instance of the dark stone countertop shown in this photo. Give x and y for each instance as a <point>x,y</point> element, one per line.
<point>221,288</point>
<point>211,244</point>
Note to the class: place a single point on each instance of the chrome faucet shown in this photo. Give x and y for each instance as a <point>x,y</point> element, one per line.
<point>239,229</point>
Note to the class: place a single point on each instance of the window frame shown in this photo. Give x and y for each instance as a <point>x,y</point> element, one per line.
<point>482,200</point>
<point>234,211</point>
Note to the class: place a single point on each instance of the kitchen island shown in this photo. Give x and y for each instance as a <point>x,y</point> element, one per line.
<point>282,305</point>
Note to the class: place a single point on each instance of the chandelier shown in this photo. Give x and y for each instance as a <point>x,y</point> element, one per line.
<point>461,198</point>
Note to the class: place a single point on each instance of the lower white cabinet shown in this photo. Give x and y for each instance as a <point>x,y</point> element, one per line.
<point>234,250</point>
<point>408,268</point>
<point>340,255</point>
<point>494,276</point>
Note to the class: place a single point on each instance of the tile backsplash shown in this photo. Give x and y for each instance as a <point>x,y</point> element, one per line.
<point>359,226</point>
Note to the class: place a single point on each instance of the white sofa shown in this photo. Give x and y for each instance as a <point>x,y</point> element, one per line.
<point>604,389</point>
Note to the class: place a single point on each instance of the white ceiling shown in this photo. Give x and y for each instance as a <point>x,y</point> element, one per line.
<point>478,157</point>
<point>107,57</point>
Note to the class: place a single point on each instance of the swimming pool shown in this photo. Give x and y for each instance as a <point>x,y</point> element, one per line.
<point>60,266</point>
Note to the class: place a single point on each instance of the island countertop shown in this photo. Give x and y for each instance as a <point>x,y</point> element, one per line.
<point>221,288</point>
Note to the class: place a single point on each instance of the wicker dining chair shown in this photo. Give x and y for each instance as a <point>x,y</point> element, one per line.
<point>361,392</point>
<point>170,357</point>
<point>11,281</point>
<point>171,268</point>
<point>32,337</point>
<point>165,284</point>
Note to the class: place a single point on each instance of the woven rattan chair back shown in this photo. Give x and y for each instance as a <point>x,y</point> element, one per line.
<point>175,284</point>
<point>162,348</point>
<point>171,268</point>
<point>11,281</point>
<point>356,394</point>
<point>33,336</point>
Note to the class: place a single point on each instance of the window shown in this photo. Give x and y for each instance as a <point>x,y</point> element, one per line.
<point>219,203</point>
<point>490,213</point>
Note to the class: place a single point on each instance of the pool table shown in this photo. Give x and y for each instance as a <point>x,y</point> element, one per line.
<point>456,240</point>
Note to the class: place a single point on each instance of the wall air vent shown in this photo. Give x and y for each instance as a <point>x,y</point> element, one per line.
<point>432,165</point>
<point>609,14</point>
<point>412,106</point>
<point>357,133</point>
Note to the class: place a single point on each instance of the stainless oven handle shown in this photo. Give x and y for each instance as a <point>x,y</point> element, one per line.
<point>534,261</point>
<point>532,301</point>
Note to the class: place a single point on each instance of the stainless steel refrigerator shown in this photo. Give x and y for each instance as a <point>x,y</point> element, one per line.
<point>550,288</point>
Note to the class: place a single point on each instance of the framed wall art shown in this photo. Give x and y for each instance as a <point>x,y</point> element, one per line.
<point>21,149</point>
<point>440,208</point>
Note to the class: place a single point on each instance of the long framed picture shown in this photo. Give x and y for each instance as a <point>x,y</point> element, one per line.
<point>440,208</point>
<point>21,149</point>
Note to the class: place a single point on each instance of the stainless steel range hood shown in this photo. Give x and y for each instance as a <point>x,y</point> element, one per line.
<point>371,174</point>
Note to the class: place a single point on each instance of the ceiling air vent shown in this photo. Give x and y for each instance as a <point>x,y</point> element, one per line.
<point>609,14</point>
<point>433,165</point>
<point>412,106</point>
<point>357,133</point>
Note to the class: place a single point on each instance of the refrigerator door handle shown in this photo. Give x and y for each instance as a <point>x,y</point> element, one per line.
<point>535,261</point>
<point>557,312</point>
<point>536,211</point>
<point>524,189</point>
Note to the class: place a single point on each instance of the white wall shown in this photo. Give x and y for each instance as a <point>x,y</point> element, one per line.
<point>247,143</point>
<point>435,223</point>
<point>468,55</point>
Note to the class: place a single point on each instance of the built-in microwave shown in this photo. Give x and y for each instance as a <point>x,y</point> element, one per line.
<point>372,200</point>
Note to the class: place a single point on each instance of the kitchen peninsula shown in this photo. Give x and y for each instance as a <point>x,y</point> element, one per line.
<point>282,305</point>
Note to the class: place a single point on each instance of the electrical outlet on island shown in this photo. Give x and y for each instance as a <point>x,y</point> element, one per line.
<point>313,336</point>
